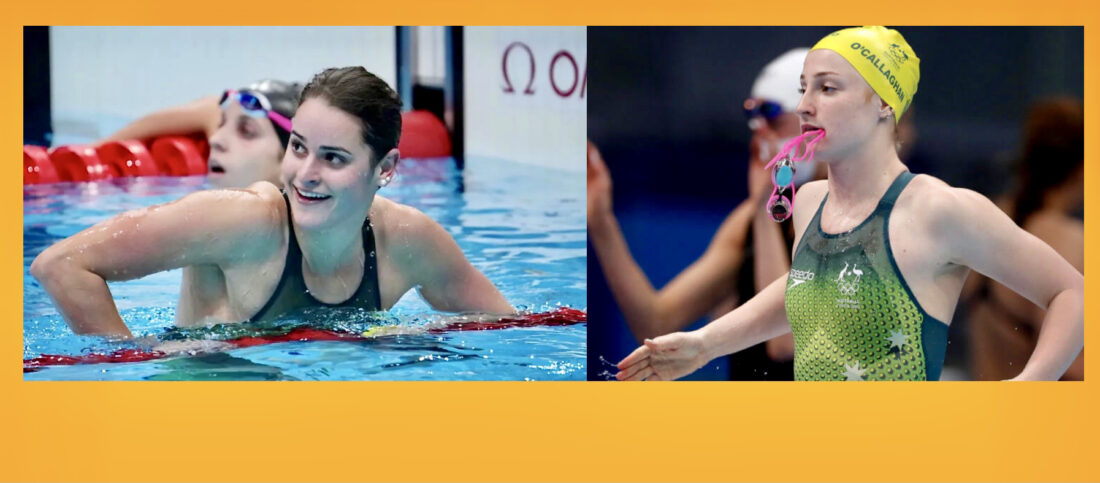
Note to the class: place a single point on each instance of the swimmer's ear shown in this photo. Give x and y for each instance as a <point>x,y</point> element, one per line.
<point>885,111</point>
<point>388,165</point>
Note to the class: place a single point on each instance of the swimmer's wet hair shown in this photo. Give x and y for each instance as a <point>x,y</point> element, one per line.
<point>364,96</point>
<point>1054,149</point>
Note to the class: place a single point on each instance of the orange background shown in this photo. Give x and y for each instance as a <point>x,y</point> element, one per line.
<point>705,431</point>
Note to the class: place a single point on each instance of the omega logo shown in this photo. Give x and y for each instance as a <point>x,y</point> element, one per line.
<point>566,77</point>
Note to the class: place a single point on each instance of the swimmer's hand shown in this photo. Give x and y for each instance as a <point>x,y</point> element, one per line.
<point>192,347</point>
<point>665,358</point>
<point>145,342</point>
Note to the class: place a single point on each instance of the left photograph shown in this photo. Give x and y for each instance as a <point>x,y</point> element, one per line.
<point>304,203</point>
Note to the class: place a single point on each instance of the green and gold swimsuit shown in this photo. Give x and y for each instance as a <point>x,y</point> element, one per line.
<point>853,316</point>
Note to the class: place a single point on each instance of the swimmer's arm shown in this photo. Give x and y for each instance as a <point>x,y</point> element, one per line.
<point>982,237</point>
<point>764,316</point>
<point>771,261</point>
<point>678,354</point>
<point>761,318</point>
<point>437,266</point>
<point>201,115</point>
<point>208,227</point>
<point>688,296</point>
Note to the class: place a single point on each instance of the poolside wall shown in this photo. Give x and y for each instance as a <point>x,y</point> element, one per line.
<point>103,77</point>
<point>526,103</point>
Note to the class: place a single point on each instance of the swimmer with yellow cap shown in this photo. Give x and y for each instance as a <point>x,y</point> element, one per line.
<point>880,254</point>
<point>883,58</point>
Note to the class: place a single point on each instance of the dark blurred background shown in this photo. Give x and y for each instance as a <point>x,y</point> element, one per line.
<point>665,110</point>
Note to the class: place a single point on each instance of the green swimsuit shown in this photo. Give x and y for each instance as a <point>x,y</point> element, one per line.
<point>853,316</point>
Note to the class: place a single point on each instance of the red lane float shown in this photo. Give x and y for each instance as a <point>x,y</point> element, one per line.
<point>37,168</point>
<point>203,145</point>
<point>130,158</point>
<point>558,317</point>
<point>80,163</point>
<point>423,136</point>
<point>178,156</point>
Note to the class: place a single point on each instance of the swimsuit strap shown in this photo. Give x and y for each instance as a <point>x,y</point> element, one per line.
<point>896,188</point>
<point>291,292</point>
<point>293,253</point>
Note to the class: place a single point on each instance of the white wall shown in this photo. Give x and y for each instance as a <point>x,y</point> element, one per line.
<point>540,125</point>
<point>103,77</point>
<point>429,61</point>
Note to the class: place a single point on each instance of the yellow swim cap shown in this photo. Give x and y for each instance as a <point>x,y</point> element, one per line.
<point>883,58</point>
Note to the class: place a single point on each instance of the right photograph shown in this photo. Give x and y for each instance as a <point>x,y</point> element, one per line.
<point>848,203</point>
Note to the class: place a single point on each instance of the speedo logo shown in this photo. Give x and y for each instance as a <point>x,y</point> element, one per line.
<point>881,66</point>
<point>798,277</point>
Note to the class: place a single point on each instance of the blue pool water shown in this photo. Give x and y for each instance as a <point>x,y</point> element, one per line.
<point>523,226</point>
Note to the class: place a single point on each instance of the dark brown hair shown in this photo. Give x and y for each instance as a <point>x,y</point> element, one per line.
<point>1054,149</point>
<point>367,98</point>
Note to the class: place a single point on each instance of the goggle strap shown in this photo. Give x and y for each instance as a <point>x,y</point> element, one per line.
<point>808,153</point>
<point>785,152</point>
<point>265,107</point>
<point>280,120</point>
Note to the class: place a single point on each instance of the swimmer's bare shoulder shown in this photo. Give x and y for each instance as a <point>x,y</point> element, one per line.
<point>236,225</point>
<point>957,228</point>
<point>218,227</point>
<point>403,235</point>
<point>416,251</point>
<point>937,213</point>
<point>263,217</point>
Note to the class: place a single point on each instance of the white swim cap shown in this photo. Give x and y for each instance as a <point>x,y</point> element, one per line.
<point>778,81</point>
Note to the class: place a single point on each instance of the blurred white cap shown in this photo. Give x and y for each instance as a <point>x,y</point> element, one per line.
<point>778,81</point>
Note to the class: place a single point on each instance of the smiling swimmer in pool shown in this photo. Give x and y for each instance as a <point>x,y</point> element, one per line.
<point>248,130</point>
<point>880,254</point>
<point>260,252</point>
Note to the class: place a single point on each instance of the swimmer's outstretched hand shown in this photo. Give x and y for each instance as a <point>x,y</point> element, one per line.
<point>665,358</point>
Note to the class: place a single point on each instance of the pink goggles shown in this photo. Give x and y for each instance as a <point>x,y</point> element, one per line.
<point>781,203</point>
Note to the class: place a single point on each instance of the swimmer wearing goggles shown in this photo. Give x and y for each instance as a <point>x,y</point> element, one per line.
<point>255,105</point>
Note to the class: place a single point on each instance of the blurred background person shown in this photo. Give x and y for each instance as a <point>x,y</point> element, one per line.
<point>247,128</point>
<point>747,252</point>
<point>1048,203</point>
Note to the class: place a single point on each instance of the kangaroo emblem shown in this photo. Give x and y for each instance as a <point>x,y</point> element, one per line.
<point>845,283</point>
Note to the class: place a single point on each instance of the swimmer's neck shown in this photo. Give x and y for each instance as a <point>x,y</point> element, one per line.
<point>865,174</point>
<point>327,251</point>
